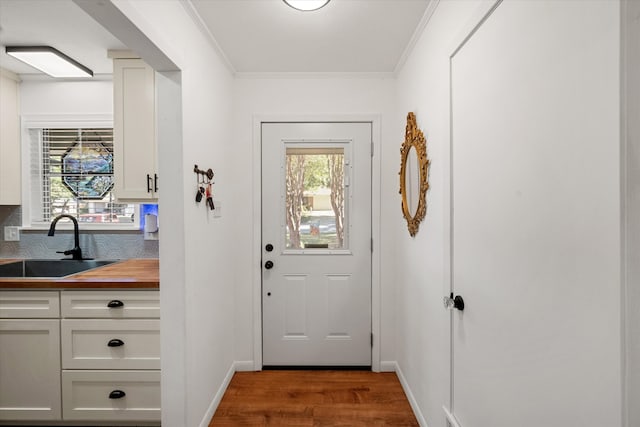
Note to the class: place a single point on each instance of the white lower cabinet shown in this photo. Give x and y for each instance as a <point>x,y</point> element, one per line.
<point>80,356</point>
<point>111,395</point>
<point>29,369</point>
<point>110,355</point>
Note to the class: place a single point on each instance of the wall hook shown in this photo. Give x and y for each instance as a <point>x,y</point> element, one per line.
<point>208,173</point>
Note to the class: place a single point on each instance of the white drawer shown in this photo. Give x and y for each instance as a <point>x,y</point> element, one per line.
<point>29,304</point>
<point>125,304</point>
<point>85,344</point>
<point>85,395</point>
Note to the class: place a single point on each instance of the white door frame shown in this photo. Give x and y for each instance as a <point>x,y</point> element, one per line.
<point>482,13</point>
<point>375,121</point>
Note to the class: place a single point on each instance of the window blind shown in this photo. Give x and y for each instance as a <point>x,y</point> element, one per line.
<point>76,169</point>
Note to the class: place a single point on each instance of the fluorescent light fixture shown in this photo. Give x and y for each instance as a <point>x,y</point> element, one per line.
<point>49,60</point>
<point>306,5</point>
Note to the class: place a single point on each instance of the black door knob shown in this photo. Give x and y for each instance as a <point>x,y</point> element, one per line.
<point>458,303</point>
<point>268,265</point>
<point>115,304</point>
<point>115,343</point>
<point>117,394</point>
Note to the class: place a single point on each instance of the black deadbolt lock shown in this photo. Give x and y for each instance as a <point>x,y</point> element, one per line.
<point>269,247</point>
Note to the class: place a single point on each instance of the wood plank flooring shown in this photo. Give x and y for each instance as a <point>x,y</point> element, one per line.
<point>314,398</point>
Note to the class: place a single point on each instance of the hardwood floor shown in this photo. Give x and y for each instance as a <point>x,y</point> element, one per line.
<point>314,398</point>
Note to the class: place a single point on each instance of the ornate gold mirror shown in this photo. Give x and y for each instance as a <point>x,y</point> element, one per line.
<point>414,175</point>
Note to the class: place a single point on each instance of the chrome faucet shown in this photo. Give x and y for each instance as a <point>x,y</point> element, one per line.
<point>76,252</point>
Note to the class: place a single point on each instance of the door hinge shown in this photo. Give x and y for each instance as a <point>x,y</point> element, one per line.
<point>371,339</point>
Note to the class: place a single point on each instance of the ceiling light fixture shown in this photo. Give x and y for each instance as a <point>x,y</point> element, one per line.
<point>49,60</point>
<point>306,5</point>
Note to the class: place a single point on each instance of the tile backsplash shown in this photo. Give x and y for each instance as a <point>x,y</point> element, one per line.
<point>94,244</point>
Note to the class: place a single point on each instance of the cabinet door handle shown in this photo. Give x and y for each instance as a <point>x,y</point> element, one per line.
<point>149,183</point>
<point>155,182</point>
<point>115,343</point>
<point>115,304</point>
<point>117,394</point>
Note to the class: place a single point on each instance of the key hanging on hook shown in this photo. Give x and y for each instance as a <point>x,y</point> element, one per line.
<point>199,189</point>
<point>209,197</point>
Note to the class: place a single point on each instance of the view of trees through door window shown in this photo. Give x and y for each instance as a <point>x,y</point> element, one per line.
<point>315,191</point>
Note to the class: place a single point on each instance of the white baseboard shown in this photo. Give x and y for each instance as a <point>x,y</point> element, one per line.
<point>410,396</point>
<point>218,397</point>
<point>388,366</point>
<point>244,365</point>
<point>450,417</point>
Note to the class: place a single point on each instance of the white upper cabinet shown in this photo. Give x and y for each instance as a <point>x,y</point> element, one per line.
<point>9,139</point>
<point>134,133</point>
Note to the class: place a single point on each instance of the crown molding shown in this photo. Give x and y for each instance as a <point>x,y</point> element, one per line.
<point>314,75</point>
<point>424,21</point>
<point>197,19</point>
<point>10,75</point>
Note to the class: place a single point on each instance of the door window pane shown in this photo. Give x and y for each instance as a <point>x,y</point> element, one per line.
<point>315,195</point>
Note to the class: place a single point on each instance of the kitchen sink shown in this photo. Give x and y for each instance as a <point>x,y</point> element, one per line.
<point>49,267</point>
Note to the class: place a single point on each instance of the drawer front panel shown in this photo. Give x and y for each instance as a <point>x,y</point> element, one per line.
<point>135,344</point>
<point>110,304</point>
<point>29,304</point>
<point>85,395</point>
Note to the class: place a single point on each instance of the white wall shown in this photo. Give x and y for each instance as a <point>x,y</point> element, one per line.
<point>295,97</point>
<point>422,323</point>
<point>197,269</point>
<point>65,97</point>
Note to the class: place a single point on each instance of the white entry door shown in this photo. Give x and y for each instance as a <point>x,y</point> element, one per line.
<point>535,218</point>
<point>316,244</point>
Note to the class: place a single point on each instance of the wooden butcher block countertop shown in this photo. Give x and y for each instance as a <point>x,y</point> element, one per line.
<point>131,273</point>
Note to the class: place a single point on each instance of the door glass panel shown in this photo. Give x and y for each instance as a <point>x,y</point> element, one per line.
<point>315,198</point>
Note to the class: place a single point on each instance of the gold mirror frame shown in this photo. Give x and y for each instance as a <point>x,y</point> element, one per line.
<point>414,138</point>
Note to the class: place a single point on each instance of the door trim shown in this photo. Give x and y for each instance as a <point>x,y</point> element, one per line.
<point>258,119</point>
<point>482,13</point>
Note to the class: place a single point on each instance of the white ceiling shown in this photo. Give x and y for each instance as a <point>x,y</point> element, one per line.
<point>343,36</point>
<point>254,35</point>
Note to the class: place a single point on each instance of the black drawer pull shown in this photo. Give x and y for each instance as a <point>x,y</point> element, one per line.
<point>117,394</point>
<point>115,343</point>
<point>115,304</point>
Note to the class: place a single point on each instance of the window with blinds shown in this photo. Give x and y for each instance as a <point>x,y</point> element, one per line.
<point>75,170</point>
